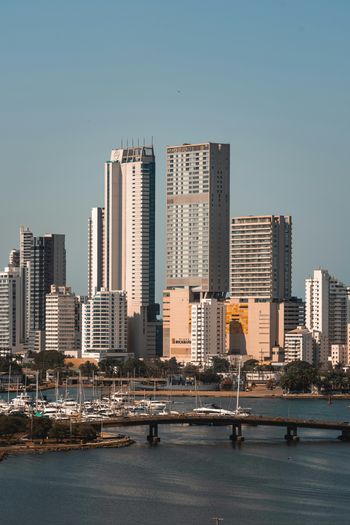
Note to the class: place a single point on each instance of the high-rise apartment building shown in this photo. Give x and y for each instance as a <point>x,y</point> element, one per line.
<point>327,308</point>
<point>47,267</point>
<point>130,240</point>
<point>25,245</point>
<point>105,325</point>
<point>198,200</point>
<point>261,257</point>
<point>60,319</point>
<point>11,317</point>
<point>14,258</point>
<point>96,260</point>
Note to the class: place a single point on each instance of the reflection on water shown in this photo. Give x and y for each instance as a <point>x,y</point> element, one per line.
<point>193,475</point>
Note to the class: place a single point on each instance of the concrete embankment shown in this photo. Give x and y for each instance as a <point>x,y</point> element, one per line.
<point>34,448</point>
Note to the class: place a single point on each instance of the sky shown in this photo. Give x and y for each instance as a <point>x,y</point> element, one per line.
<point>270,77</point>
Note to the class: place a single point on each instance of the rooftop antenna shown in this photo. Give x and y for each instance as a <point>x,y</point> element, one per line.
<point>138,142</point>
<point>152,140</point>
<point>122,143</point>
<point>127,143</point>
<point>144,141</point>
<point>132,141</point>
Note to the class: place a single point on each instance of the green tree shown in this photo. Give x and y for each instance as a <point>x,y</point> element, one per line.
<point>250,365</point>
<point>38,427</point>
<point>49,360</point>
<point>6,362</point>
<point>208,376</point>
<point>299,376</point>
<point>10,425</point>
<point>220,365</point>
<point>88,369</point>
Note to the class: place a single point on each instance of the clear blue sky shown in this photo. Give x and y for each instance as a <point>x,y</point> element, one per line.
<point>272,78</point>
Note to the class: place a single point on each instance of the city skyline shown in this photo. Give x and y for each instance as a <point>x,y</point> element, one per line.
<point>283,109</point>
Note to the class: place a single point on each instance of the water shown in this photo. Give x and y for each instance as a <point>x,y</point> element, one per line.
<point>192,476</point>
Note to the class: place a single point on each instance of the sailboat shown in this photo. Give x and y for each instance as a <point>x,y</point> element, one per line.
<point>240,412</point>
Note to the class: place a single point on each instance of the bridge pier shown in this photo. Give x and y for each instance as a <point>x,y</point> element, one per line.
<point>152,437</point>
<point>236,436</point>
<point>345,435</point>
<point>292,433</point>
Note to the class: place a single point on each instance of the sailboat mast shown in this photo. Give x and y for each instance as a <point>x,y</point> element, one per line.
<point>238,384</point>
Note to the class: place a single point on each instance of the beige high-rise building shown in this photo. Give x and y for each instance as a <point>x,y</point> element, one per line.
<point>130,241</point>
<point>177,315</point>
<point>261,257</point>
<point>60,319</point>
<point>198,200</point>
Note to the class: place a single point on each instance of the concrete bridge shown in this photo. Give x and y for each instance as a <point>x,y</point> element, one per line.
<point>290,424</point>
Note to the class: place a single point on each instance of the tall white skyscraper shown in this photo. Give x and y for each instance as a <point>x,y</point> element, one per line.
<point>96,245</point>
<point>261,257</point>
<point>130,240</point>
<point>11,315</point>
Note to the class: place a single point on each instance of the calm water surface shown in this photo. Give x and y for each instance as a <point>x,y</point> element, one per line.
<point>193,475</point>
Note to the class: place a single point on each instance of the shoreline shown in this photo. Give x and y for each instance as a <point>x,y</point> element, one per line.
<point>257,394</point>
<point>32,448</point>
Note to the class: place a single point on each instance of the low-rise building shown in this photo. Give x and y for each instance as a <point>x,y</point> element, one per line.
<point>299,345</point>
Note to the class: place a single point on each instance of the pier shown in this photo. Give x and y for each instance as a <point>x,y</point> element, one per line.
<point>290,425</point>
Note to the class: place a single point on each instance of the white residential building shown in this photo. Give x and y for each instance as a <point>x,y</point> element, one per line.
<point>327,308</point>
<point>96,246</point>
<point>207,330</point>
<point>11,311</point>
<point>105,325</point>
<point>261,257</point>
<point>299,345</point>
<point>339,355</point>
<point>60,319</point>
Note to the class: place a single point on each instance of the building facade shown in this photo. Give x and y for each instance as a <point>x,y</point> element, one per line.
<point>207,330</point>
<point>198,200</point>
<point>105,325</point>
<point>47,267</point>
<point>11,314</point>
<point>299,345</point>
<point>96,250</point>
<point>261,257</point>
<point>60,319</point>
<point>130,240</point>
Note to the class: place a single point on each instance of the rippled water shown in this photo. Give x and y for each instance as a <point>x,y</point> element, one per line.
<point>193,475</point>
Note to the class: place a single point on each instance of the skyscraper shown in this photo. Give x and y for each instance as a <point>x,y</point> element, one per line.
<point>96,251</point>
<point>14,258</point>
<point>10,311</point>
<point>47,267</point>
<point>130,239</point>
<point>198,201</point>
<point>327,308</point>
<point>261,257</point>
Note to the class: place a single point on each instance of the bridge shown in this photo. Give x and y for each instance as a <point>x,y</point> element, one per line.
<point>290,424</point>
